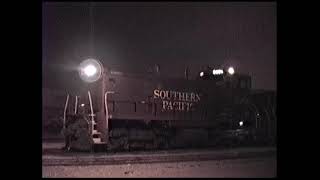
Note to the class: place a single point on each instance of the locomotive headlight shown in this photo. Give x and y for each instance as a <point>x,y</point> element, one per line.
<point>241,123</point>
<point>201,74</point>
<point>90,70</point>
<point>231,70</point>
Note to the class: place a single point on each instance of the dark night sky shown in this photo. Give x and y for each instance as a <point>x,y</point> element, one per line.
<point>133,36</point>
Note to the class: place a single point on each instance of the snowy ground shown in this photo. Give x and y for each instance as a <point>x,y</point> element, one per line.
<point>259,167</point>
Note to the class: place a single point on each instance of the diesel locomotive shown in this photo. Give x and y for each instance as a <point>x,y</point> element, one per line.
<point>123,111</point>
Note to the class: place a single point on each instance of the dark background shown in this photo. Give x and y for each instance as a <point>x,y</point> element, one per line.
<point>132,37</point>
<point>22,34</point>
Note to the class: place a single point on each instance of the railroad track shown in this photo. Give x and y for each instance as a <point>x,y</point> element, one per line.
<point>153,157</point>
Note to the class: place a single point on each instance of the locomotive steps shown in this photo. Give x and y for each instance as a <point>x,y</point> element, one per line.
<point>155,157</point>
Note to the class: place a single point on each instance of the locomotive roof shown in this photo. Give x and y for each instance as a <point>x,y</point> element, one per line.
<point>163,76</point>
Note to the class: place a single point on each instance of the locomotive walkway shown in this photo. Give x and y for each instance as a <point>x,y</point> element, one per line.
<point>52,156</point>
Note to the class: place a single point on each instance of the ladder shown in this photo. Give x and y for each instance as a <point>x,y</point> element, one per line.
<point>95,134</point>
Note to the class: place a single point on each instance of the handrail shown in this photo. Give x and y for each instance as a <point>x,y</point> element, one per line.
<point>136,103</point>
<point>107,112</point>
<point>64,112</point>
<point>91,108</point>
<point>76,105</point>
<point>106,102</point>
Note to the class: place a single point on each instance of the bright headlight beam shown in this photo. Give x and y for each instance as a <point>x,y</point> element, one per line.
<point>201,74</point>
<point>90,70</point>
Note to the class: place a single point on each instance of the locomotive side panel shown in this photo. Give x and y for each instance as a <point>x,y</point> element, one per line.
<point>155,98</point>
